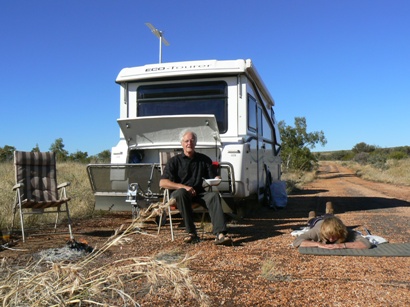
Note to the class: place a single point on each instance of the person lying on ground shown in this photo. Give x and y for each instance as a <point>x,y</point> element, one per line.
<point>331,233</point>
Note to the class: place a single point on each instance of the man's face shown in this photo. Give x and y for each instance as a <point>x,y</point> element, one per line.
<point>188,143</point>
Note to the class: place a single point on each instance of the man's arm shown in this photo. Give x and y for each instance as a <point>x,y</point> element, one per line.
<point>168,184</point>
<point>352,245</point>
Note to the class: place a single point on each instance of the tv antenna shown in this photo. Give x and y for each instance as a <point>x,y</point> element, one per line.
<point>160,35</point>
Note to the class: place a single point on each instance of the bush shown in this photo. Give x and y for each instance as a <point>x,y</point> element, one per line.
<point>363,147</point>
<point>397,155</point>
<point>378,160</point>
<point>361,158</point>
<point>348,156</point>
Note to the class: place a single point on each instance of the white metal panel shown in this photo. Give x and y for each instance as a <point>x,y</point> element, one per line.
<point>160,131</point>
<point>191,68</point>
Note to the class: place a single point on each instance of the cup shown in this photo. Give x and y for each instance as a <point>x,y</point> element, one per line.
<point>5,235</point>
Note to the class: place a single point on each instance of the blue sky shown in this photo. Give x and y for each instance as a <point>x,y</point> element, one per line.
<point>343,65</point>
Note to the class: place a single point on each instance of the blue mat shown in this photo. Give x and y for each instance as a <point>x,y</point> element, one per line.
<point>381,250</point>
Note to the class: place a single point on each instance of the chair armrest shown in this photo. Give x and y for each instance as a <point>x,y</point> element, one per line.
<point>18,185</point>
<point>64,184</point>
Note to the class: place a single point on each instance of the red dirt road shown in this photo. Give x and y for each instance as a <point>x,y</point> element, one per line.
<point>384,208</point>
<point>261,269</point>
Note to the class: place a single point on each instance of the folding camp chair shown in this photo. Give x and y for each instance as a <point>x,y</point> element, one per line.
<point>170,210</point>
<point>36,187</point>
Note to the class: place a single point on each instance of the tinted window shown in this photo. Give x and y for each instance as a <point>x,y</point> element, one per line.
<point>252,125</point>
<point>185,98</point>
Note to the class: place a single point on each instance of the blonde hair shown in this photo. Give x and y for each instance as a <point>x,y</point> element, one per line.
<point>333,227</point>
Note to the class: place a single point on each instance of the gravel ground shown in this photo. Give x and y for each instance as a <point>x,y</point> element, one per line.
<point>261,269</point>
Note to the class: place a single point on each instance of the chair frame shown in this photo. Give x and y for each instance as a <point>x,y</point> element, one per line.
<point>169,212</point>
<point>164,156</point>
<point>38,206</point>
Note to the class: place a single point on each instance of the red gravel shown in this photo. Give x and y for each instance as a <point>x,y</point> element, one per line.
<point>261,269</point>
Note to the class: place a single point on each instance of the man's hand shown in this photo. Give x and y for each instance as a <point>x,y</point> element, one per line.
<point>190,190</point>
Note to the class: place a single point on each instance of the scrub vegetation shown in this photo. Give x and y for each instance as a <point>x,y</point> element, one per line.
<point>389,165</point>
<point>95,281</point>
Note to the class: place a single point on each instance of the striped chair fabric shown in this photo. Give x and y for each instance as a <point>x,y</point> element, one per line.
<point>36,186</point>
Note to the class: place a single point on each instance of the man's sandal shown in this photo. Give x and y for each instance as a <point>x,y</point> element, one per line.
<point>192,238</point>
<point>221,239</point>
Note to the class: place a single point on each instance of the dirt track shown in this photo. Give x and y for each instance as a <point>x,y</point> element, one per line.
<point>237,276</point>
<point>382,207</point>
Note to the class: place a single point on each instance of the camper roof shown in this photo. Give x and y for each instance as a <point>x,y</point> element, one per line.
<point>192,68</point>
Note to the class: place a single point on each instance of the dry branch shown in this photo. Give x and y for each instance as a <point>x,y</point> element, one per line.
<point>44,283</point>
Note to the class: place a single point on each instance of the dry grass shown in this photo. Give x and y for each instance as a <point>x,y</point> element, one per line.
<point>397,172</point>
<point>82,203</point>
<point>123,281</point>
<point>295,180</point>
<point>7,182</point>
<point>273,271</point>
<point>82,198</point>
<point>260,270</point>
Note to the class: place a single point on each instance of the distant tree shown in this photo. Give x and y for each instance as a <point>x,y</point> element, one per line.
<point>296,145</point>
<point>406,149</point>
<point>7,153</point>
<point>104,156</point>
<point>363,147</point>
<point>338,155</point>
<point>58,148</point>
<point>36,149</point>
<point>79,156</point>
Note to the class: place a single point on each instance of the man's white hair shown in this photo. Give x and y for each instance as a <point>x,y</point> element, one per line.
<point>185,131</point>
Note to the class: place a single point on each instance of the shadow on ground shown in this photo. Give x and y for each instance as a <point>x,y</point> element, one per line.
<point>264,222</point>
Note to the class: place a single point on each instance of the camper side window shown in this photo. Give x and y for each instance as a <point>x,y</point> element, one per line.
<point>255,118</point>
<point>252,118</point>
<point>267,129</point>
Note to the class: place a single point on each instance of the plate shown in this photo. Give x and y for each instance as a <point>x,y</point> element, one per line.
<point>212,182</point>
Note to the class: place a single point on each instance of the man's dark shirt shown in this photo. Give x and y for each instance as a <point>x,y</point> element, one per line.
<point>190,172</point>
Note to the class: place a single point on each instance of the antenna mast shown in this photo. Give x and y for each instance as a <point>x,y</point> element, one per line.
<point>160,35</point>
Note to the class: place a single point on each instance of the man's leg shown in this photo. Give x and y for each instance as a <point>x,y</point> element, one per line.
<point>184,204</point>
<point>213,203</point>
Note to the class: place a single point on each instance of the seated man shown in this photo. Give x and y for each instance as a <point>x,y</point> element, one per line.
<point>184,174</point>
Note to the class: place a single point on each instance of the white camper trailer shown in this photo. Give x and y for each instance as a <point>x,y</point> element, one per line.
<point>225,102</point>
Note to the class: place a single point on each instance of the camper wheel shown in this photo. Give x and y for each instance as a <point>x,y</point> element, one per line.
<point>268,197</point>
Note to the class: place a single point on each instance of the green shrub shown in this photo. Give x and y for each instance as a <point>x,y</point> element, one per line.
<point>348,156</point>
<point>397,155</point>
<point>361,158</point>
<point>378,160</point>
